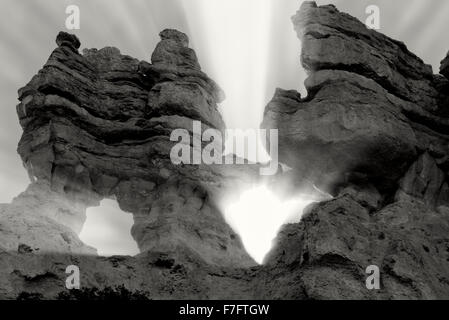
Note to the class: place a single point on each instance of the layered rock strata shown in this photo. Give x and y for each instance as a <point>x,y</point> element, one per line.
<point>97,125</point>
<point>373,132</point>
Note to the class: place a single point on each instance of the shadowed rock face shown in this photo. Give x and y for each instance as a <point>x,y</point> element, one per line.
<point>444,70</point>
<point>372,131</point>
<point>372,106</point>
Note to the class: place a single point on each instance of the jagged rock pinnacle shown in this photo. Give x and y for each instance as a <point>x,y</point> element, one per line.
<point>67,39</point>
<point>175,35</point>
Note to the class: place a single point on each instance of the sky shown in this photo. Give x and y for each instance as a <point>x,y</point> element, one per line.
<point>248,46</point>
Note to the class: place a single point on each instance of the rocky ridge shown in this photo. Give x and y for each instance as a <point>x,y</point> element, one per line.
<point>372,131</point>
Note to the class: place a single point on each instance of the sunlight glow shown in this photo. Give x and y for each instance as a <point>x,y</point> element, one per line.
<point>258,216</point>
<point>232,38</point>
<point>107,228</point>
<point>235,40</point>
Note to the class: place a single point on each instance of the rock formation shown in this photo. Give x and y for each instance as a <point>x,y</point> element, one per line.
<point>97,125</point>
<point>373,132</point>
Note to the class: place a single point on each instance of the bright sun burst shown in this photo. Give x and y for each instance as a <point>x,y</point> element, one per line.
<point>258,216</point>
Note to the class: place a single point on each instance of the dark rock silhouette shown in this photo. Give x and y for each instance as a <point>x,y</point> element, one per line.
<point>444,70</point>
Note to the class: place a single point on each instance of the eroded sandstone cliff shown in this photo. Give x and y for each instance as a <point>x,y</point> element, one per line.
<point>373,132</point>
<point>97,125</point>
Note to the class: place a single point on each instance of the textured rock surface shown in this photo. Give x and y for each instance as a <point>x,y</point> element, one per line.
<point>372,131</point>
<point>96,126</point>
<point>372,106</point>
<point>325,256</point>
<point>43,220</point>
